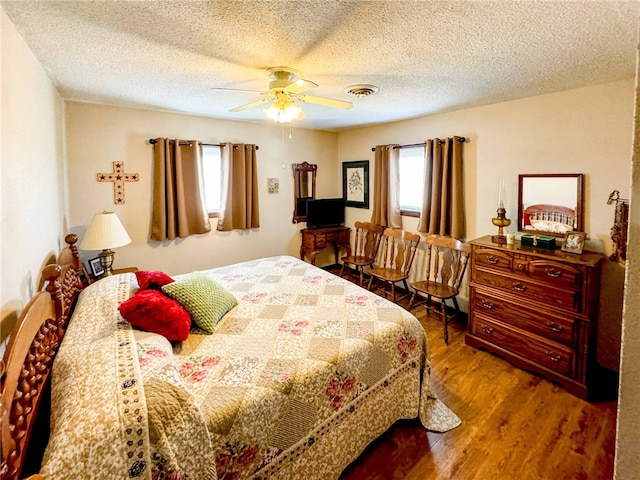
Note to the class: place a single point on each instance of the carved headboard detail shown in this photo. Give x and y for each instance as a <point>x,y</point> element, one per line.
<point>27,362</point>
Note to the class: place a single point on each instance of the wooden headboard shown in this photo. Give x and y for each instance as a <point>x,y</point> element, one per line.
<point>27,363</point>
<point>550,213</point>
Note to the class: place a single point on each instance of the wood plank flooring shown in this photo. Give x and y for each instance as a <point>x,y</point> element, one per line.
<point>515,425</point>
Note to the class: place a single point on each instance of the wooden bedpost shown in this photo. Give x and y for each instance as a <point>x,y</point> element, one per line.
<point>51,273</point>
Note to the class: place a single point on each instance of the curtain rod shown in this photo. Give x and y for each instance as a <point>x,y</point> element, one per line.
<point>153,141</point>
<point>460,140</point>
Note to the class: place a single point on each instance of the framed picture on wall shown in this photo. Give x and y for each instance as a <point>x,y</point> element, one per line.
<point>355,183</point>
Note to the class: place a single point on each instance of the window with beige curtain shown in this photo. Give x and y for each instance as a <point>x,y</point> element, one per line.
<point>179,208</point>
<point>239,189</point>
<point>443,200</point>
<point>386,182</point>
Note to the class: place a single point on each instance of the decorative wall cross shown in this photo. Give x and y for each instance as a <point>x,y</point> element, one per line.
<point>118,177</point>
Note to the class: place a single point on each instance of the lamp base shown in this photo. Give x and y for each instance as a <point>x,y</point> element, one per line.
<point>499,238</point>
<point>106,262</point>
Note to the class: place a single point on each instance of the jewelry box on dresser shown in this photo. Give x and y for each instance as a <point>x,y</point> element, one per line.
<point>536,308</point>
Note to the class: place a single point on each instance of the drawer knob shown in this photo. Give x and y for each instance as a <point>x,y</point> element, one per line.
<point>554,327</point>
<point>487,330</point>
<point>552,272</point>
<point>521,266</point>
<point>487,304</point>
<point>553,356</point>
<point>492,260</point>
<point>519,286</point>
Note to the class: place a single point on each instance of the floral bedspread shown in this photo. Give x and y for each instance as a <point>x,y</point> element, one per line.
<point>294,382</point>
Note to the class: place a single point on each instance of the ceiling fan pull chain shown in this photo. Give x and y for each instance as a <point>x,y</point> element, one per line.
<point>282,145</point>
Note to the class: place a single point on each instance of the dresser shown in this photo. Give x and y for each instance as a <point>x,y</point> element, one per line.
<point>536,308</point>
<point>315,239</point>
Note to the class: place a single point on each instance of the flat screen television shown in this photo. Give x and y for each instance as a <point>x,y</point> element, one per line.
<point>301,206</point>
<point>325,212</point>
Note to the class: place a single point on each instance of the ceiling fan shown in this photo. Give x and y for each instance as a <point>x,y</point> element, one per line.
<point>285,89</point>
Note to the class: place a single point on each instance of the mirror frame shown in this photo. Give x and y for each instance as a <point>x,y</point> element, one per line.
<point>541,199</point>
<point>300,169</point>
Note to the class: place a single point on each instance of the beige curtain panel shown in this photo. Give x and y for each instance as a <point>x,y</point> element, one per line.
<point>443,204</point>
<point>386,185</point>
<point>239,196</point>
<point>179,208</point>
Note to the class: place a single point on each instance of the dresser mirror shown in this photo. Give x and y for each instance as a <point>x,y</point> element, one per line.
<point>550,204</point>
<point>304,189</point>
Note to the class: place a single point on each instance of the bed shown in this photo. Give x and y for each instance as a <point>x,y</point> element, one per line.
<point>294,381</point>
<point>549,218</point>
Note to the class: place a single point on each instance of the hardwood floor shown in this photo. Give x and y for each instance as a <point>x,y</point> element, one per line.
<point>515,425</point>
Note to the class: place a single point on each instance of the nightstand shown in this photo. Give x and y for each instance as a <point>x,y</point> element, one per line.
<point>125,270</point>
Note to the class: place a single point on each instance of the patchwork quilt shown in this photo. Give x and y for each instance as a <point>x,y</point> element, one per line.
<point>294,382</point>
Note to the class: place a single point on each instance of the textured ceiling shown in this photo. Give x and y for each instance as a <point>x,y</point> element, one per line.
<point>425,56</point>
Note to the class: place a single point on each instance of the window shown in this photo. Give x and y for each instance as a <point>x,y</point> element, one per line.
<point>212,172</point>
<point>411,168</point>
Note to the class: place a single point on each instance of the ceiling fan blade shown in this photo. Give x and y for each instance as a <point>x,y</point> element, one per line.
<point>255,103</point>
<point>222,89</point>
<point>299,86</point>
<point>327,102</point>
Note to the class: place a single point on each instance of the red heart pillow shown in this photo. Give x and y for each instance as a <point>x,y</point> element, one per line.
<point>152,279</point>
<point>151,310</point>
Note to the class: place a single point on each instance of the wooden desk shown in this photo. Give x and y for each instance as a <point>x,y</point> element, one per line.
<point>315,239</point>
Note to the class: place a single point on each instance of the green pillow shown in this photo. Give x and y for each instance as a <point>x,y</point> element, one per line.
<point>204,299</point>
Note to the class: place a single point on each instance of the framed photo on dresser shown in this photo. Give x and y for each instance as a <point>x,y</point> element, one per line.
<point>574,242</point>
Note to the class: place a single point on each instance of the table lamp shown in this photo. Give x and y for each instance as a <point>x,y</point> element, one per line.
<point>104,233</point>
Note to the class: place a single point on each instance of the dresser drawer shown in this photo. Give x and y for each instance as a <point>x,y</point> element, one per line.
<point>555,274</point>
<point>492,258</point>
<point>554,328</point>
<point>529,290</point>
<point>557,358</point>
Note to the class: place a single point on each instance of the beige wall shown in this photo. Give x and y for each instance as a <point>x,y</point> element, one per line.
<point>588,130</point>
<point>627,463</point>
<point>99,135</point>
<point>32,205</point>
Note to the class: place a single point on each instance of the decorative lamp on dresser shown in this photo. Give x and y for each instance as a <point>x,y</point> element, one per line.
<point>536,308</point>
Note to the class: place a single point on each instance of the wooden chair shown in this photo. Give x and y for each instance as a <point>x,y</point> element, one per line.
<point>447,260</point>
<point>399,248</point>
<point>365,247</point>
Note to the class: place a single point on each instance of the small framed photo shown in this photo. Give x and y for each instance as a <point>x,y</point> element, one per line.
<point>355,184</point>
<point>96,268</point>
<point>574,242</point>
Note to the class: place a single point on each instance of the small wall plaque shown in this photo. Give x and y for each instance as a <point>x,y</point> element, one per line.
<point>273,185</point>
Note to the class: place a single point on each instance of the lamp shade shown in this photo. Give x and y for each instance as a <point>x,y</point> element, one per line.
<point>105,232</point>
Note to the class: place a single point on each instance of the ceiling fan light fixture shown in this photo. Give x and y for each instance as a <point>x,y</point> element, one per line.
<point>283,110</point>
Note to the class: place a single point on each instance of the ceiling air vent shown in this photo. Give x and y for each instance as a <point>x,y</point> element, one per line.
<point>362,90</point>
